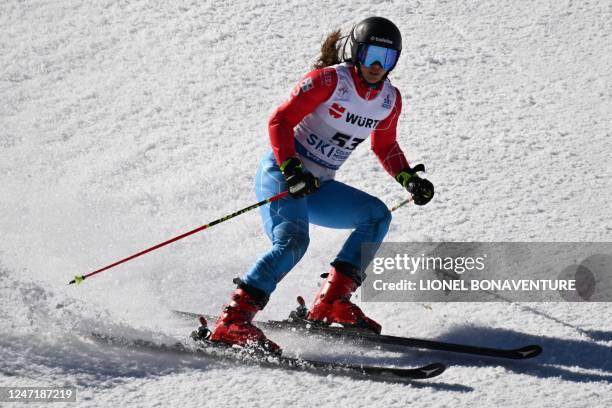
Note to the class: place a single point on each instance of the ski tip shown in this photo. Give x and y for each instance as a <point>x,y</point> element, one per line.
<point>432,370</point>
<point>528,351</point>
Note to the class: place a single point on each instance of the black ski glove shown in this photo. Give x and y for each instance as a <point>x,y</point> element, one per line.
<point>300,182</point>
<point>422,190</point>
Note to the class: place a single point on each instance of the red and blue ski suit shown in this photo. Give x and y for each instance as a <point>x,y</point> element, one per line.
<point>329,113</point>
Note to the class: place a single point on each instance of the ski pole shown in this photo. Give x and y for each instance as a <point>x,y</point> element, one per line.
<point>401,204</point>
<point>78,279</point>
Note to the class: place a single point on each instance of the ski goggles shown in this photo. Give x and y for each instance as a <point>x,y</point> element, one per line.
<point>369,54</point>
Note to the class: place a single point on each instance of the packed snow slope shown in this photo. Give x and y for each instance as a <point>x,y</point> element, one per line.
<point>125,123</point>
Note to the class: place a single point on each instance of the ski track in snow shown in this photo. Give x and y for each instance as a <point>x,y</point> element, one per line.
<point>125,123</point>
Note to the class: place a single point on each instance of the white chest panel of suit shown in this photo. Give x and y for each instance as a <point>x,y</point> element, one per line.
<point>328,136</point>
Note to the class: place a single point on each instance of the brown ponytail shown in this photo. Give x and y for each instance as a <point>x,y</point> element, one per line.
<point>329,51</point>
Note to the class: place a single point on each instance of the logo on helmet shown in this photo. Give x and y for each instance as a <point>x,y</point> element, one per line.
<point>379,39</point>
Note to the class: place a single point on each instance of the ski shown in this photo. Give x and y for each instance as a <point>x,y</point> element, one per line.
<point>242,355</point>
<point>297,322</point>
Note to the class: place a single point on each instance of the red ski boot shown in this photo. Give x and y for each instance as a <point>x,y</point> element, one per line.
<point>235,326</point>
<point>332,303</point>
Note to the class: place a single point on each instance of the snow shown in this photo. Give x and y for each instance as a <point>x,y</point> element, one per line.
<point>126,123</point>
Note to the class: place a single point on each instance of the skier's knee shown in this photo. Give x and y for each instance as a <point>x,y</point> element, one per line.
<point>381,214</point>
<point>292,244</point>
<point>297,245</point>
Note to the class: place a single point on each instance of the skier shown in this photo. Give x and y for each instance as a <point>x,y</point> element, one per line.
<point>333,109</point>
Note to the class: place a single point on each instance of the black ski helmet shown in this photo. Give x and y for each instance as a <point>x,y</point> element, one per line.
<point>377,31</point>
